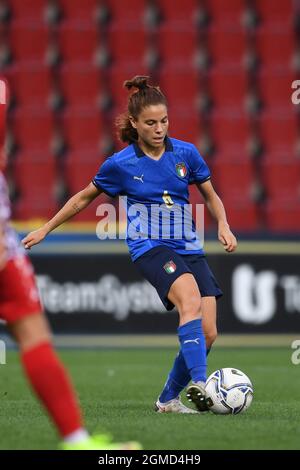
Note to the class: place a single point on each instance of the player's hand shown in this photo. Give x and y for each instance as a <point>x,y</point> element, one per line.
<point>227,238</point>
<point>33,238</point>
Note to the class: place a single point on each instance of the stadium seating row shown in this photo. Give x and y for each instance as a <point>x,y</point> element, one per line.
<point>268,11</point>
<point>227,84</point>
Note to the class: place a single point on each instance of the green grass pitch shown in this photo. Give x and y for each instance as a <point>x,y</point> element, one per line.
<point>117,389</point>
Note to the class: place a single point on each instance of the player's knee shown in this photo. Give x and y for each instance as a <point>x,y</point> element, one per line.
<point>190,308</point>
<point>30,342</point>
<point>31,331</point>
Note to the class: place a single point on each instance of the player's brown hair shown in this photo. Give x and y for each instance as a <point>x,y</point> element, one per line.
<point>142,94</point>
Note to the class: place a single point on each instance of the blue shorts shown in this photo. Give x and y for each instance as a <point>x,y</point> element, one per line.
<point>161,266</point>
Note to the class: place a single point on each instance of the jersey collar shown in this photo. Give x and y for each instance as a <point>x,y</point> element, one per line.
<point>139,152</point>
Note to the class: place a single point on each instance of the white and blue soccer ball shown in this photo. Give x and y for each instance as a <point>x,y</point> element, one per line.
<point>229,391</point>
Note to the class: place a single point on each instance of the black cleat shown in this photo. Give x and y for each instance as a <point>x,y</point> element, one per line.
<point>196,394</point>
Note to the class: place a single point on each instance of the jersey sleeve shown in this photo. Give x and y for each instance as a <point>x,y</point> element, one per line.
<point>108,179</point>
<point>199,169</point>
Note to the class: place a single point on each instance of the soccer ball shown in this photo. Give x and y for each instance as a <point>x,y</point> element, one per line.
<point>229,391</point>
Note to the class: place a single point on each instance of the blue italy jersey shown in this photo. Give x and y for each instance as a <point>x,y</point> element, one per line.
<point>156,194</point>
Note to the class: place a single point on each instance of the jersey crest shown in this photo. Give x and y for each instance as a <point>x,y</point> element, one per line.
<point>181,169</point>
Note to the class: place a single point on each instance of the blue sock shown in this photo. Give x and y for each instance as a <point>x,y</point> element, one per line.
<point>207,351</point>
<point>193,349</point>
<point>178,379</point>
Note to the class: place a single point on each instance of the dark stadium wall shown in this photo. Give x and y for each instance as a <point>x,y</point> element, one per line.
<point>105,294</point>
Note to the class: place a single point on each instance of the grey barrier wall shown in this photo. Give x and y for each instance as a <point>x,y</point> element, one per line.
<point>106,294</point>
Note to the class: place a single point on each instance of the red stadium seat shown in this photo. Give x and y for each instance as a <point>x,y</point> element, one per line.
<point>275,90</point>
<point>228,90</point>
<point>177,48</point>
<point>79,11</point>
<point>31,85</point>
<point>178,11</point>
<point>181,87</point>
<point>279,133</point>
<point>128,47</point>
<point>227,48</point>
<point>127,14</point>
<point>28,44</point>
<point>227,15</point>
<point>274,14</point>
<point>35,179</point>
<point>81,172</point>
<point>277,58</point>
<point>83,130</point>
<point>283,216</point>
<point>231,134</point>
<point>185,125</point>
<point>78,43</point>
<point>243,215</point>
<point>28,11</point>
<point>80,85</point>
<point>282,179</point>
<point>233,179</point>
<point>33,131</point>
<point>234,182</point>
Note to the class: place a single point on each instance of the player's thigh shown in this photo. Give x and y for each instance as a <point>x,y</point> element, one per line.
<point>209,318</point>
<point>20,306</point>
<point>185,295</point>
<point>18,291</point>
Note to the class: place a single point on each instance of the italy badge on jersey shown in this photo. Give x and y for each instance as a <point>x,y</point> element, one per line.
<point>181,170</point>
<point>170,267</point>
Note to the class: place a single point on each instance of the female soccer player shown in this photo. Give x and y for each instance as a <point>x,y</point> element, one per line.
<point>21,309</point>
<point>154,172</point>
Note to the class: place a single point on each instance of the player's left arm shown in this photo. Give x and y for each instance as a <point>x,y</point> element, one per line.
<point>217,210</point>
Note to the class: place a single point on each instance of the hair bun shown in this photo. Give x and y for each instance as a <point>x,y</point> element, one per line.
<point>139,82</point>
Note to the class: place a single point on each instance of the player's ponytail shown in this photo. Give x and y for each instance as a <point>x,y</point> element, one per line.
<point>142,94</point>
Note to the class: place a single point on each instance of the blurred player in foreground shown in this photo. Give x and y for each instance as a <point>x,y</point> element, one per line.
<point>155,170</point>
<point>21,309</point>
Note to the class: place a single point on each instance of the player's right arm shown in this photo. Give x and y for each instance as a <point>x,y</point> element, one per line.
<point>73,206</point>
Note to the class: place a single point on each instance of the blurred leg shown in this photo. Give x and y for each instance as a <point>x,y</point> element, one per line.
<point>46,374</point>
